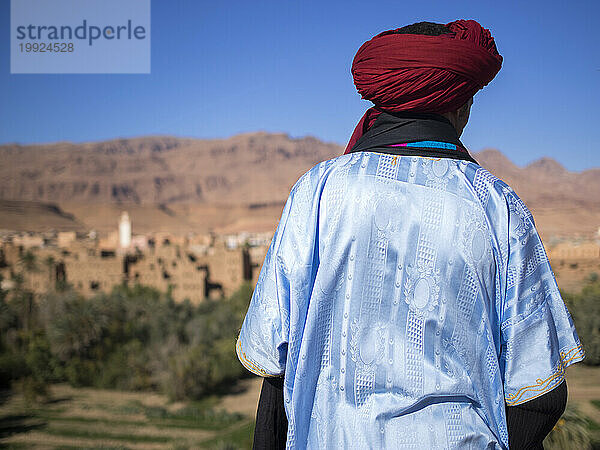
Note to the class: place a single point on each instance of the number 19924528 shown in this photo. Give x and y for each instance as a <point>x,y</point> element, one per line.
<point>42,47</point>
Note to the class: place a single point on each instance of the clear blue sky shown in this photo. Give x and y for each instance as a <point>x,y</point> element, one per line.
<point>221,68</point>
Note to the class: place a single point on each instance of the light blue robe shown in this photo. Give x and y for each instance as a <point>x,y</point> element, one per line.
<point>406,299</point>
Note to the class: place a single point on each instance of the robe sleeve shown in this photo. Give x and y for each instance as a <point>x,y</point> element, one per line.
<point>264,336</point>
<point>539,340</point>
<point>262,342</point>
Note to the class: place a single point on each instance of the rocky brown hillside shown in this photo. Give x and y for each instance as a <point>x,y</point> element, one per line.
<point>545,182</point>
<point>244,169</point>
<point>183,183</point>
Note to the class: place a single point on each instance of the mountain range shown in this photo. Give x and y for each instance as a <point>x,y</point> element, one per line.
<point>226,185</point>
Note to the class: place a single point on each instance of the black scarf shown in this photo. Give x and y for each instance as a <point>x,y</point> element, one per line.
<point>400,128</point>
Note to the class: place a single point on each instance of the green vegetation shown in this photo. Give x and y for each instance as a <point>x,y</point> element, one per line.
<point>585,311</point>
<point>134,338</point>
<point>241,437</point>
<point>571,431</point>
<point>77,418</point>
<point>131,339</point>
<point>574,429</point>
<point>139,339</point>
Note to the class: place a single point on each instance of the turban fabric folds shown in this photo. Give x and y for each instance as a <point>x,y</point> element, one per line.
<point>420,73</point>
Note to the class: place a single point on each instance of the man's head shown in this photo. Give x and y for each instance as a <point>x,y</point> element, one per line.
<point>423,28</point>
<point>425,67</point>
<point>459,117</point>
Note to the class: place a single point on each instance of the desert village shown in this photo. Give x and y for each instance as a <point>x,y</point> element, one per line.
<point>193,267</point>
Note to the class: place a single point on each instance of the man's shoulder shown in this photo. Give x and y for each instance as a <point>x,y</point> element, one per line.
<point>484,180</point>
<point>320,172</point>
<point>494,191</point>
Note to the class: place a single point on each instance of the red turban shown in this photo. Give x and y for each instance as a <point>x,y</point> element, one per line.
<point>420,73</point>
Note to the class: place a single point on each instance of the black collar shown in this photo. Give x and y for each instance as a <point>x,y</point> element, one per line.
<point>400,128</point>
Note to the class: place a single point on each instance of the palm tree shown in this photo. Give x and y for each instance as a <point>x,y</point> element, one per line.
<point>571,431</point>
<point>24,304</point>
<point>49,262</point>
<point>19,281</point>
<point>29,261</point>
